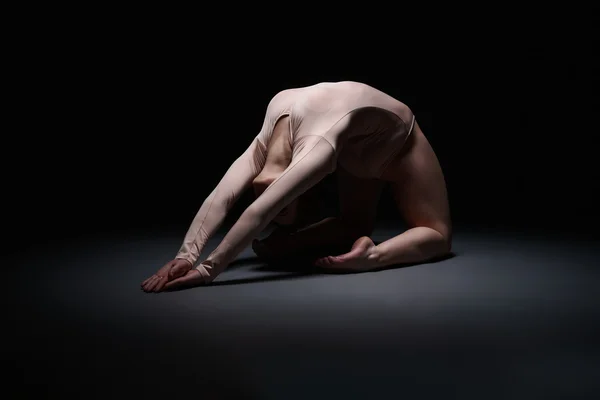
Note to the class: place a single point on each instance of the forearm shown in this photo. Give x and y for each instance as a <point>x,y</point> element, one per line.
<point>413,246</point>
<point>208,219</point>
<point>214,209</point>
<point>248,226</point>
<point>314,160</point>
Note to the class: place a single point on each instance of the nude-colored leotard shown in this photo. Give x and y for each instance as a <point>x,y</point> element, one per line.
<point>346,123</point>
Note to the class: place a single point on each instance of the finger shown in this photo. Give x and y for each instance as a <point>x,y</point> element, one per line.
<point>147,280</point>
<point>153,284</point>
<point>161,284</point>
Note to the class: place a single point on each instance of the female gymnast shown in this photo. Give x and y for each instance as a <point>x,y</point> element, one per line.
<point>369,139</point>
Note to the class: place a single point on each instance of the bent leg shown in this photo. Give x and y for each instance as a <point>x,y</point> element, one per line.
<point>419,190</point>
<point>420,193</point>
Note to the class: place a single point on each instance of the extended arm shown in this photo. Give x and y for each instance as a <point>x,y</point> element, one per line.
<point>314,158</point>
<point>214,209</point>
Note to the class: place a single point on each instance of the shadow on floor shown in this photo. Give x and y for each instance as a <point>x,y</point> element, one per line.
<point>295,268</point>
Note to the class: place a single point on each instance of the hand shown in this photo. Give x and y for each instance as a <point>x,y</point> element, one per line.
<point>202,274</point>
<point>170,271</point>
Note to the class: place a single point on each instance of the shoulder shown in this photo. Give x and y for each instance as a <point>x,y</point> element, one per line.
<point>282,95</point>
<point>280,101</point>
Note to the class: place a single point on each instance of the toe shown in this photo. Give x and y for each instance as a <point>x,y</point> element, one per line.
<point>335,261</point>
<point>321,262</point>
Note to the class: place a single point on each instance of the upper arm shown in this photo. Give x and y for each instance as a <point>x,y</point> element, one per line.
<point>276,107</point>
<point>242,171</point>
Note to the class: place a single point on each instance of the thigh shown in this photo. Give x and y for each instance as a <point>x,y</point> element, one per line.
<point>419,187</point>
<point>358,199</point>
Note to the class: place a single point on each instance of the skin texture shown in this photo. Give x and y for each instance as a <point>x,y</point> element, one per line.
<point>342,242</point>
<point>170,271</point>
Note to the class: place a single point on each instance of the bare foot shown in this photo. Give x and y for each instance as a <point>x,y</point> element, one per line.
<point>359,258</point>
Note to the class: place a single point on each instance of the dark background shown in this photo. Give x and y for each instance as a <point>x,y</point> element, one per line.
<point>126,121</point>
<point>132,132</point>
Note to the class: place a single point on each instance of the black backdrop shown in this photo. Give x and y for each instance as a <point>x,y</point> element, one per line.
<point>123,127</point>
<point>130,132</point>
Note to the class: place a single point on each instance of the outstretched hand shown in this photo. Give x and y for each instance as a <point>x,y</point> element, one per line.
<point>204,273</point>
<point>170,271</point>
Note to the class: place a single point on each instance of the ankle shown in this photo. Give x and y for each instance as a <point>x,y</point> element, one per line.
<point>375,255</point>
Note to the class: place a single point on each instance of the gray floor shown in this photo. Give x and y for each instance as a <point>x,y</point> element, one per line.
<point>511,316</point>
